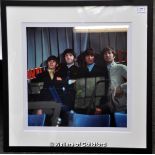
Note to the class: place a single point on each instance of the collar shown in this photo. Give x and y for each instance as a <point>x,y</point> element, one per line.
<point>111,64</point>
<point>90,67</point>
<point>51,70</point>
<point>70,65</point>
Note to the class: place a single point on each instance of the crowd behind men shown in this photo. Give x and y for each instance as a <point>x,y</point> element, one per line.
<point>63,77</point>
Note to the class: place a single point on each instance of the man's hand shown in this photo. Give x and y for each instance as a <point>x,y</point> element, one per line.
<point>119,92</point>
<point>71,81</point>
<point>98,111</point>
<point>59,79</point>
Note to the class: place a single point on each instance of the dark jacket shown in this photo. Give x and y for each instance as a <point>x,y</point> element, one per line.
<point>96,71</point>
<point>68,73</point>
<point>69,91</point>
<point>44,77</point>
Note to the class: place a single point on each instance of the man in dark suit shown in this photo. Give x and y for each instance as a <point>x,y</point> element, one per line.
<point>48,77</point>
<point>68,73</point>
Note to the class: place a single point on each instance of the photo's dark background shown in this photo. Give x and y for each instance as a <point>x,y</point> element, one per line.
<point>43,42</point>
<point>153,94</point>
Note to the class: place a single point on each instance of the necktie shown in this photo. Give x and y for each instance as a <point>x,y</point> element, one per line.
<point>51,73</point>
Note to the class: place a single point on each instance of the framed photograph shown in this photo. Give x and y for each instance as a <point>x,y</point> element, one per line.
<point>77,76</point>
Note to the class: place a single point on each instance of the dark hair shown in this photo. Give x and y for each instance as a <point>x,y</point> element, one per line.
<point>107,49</point>
<point>89,51</point>
<point>69,50</point>
<point>52,57</point>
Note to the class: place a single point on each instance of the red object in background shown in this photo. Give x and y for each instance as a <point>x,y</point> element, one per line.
<point>31,74</point>
<point>121,56</point>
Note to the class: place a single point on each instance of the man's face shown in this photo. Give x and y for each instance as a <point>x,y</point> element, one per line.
<point>89,59</point>
<point>69,58</point>
<point>52,64</point>
<point>108,56</point>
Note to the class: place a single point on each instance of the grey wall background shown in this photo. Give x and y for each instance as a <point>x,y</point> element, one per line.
<point>153,94</point>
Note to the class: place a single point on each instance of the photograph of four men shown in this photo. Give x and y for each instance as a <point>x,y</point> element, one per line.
<point>84,73</point>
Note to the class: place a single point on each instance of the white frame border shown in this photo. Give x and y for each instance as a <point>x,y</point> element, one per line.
<point>17,15</point>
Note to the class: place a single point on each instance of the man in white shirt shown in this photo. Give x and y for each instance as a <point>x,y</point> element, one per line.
<point>117,95</point>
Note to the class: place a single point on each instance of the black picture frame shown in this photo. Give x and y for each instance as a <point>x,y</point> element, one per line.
<point>7,147</point>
